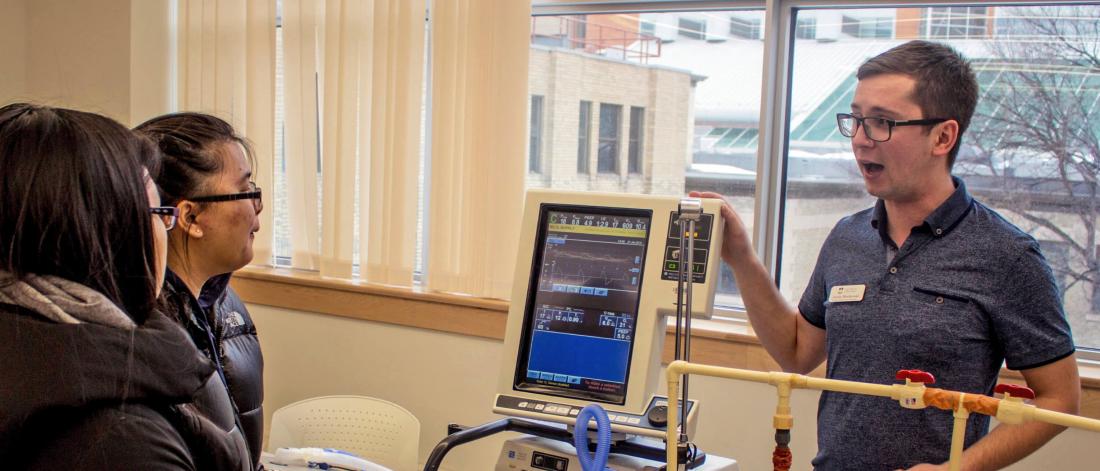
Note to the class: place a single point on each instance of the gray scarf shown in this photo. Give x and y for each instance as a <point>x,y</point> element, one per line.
<point>61,300</point>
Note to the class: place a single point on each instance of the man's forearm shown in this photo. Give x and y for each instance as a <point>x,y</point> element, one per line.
<point>772,318</point>
<point>1007,443</point>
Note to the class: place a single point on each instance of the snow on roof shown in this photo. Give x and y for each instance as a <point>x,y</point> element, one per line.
<point>731,92</point>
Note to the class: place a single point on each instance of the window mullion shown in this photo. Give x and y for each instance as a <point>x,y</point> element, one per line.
<point>771,146</point>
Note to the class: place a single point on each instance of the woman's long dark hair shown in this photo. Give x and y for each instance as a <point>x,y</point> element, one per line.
<point>73,202</point>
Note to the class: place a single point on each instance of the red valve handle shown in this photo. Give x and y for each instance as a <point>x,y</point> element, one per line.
<point>916,376</point>
<point>1015,390</point>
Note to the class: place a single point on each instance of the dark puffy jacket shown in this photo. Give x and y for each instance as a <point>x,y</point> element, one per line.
<point>220,326</point>
<point>91,397</point>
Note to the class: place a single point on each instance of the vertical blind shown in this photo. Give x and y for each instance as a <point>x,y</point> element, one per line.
<point>227,68</point>
<point>354,97</point>
<point>478,142</point>
<point>354,75</point>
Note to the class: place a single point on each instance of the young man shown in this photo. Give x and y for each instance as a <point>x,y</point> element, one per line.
<point>944,284</point>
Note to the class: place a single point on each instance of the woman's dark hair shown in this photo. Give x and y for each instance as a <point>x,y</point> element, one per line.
<point>73,202</point>
<point>189,143</point>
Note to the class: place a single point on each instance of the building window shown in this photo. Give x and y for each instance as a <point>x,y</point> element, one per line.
<point>879,27</point>
<point>634,146</point>
<point>607,158</point>
<point>850,26</point>
<point>534,162</point>
<point>805,28</point>
<point>584,131</point>
<point>867,27</point>
<point>748,28</point>
<point>955,22</point>
<point>693,29</point>
<point>578,30</point>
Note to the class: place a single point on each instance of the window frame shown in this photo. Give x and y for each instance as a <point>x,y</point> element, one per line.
<point>534,134</point>
<point>635,140</point>
<point>584,137</point>
<point>779,31</point>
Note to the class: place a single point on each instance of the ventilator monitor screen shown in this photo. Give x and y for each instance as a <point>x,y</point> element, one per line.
<point>582,304</point>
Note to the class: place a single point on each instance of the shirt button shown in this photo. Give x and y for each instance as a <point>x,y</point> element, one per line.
<point>939,231</point>
<point>893,269</point>
<point>939,299</point>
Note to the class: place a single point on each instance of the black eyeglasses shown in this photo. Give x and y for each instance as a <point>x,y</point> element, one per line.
<point>254,193</point>
<point>875,128</point>
<point>167,214</point>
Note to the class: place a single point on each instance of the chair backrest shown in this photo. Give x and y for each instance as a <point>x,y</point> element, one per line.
<point>375,429</point>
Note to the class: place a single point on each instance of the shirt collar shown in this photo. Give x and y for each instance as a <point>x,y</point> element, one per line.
<point>941,221</point>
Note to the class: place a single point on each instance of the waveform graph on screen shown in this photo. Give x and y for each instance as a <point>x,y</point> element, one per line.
<point>592,255</point>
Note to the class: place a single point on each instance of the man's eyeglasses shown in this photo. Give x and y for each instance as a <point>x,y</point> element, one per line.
<point>254,193</point>
<point>877,129</point>
<point>167,214</point>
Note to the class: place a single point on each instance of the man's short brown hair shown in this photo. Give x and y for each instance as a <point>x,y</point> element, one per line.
<point>945,88</point>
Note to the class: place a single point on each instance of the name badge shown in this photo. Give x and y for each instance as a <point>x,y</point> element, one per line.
<point>847,293</point>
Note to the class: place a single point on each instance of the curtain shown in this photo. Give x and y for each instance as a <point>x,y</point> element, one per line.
<point>478,143</point>
<point>354,80</point>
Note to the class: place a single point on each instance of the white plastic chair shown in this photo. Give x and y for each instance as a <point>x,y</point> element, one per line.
<point>377,430</point>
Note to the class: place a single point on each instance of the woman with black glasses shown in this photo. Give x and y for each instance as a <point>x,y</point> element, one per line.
<point>206,172</point>
<point>92,376</point>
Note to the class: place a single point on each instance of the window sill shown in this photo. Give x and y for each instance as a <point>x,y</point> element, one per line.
<point>719,343</point>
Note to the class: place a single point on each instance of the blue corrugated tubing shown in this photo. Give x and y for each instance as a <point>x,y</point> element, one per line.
<point>597,462</point>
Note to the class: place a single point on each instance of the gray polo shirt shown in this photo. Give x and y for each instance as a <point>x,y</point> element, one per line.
<point>964,293</point>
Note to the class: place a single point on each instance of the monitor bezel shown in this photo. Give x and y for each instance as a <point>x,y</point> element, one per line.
<point>520,369</point>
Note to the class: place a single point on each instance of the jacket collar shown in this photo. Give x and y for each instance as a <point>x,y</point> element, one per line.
<point>211,291</point>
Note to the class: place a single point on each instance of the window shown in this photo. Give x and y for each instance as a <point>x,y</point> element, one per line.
<point>659,113</point>
<point>579,33</point>
<point>607,158</point>
<point>745,27</point>
<point>850,26</point>
<point>707,113</point>
<point>634,147</point>
<point>806,28</point>
<point>693,29</point>
<point>874,27</point>
<point>534,151</point>
<point>1025,169</point>
<point>955,22</point>
<point>584,132</point>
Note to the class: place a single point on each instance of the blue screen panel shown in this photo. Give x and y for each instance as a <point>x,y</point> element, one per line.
<point>580,356</point>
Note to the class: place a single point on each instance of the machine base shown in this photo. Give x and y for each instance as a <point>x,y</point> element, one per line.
<point>541,454</point>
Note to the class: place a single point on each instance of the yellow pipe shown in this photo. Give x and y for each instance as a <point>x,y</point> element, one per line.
<point>958,435</point>
<point>909,395</point>
<point>1065,420</point>
<point>783,420</point>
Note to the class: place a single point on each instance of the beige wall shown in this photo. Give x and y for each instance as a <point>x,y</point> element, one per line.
<point>152,59</point>
<point>78,55</point>
<point>13,50</point>
<point>447,378</point>
<point>106,56</point>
